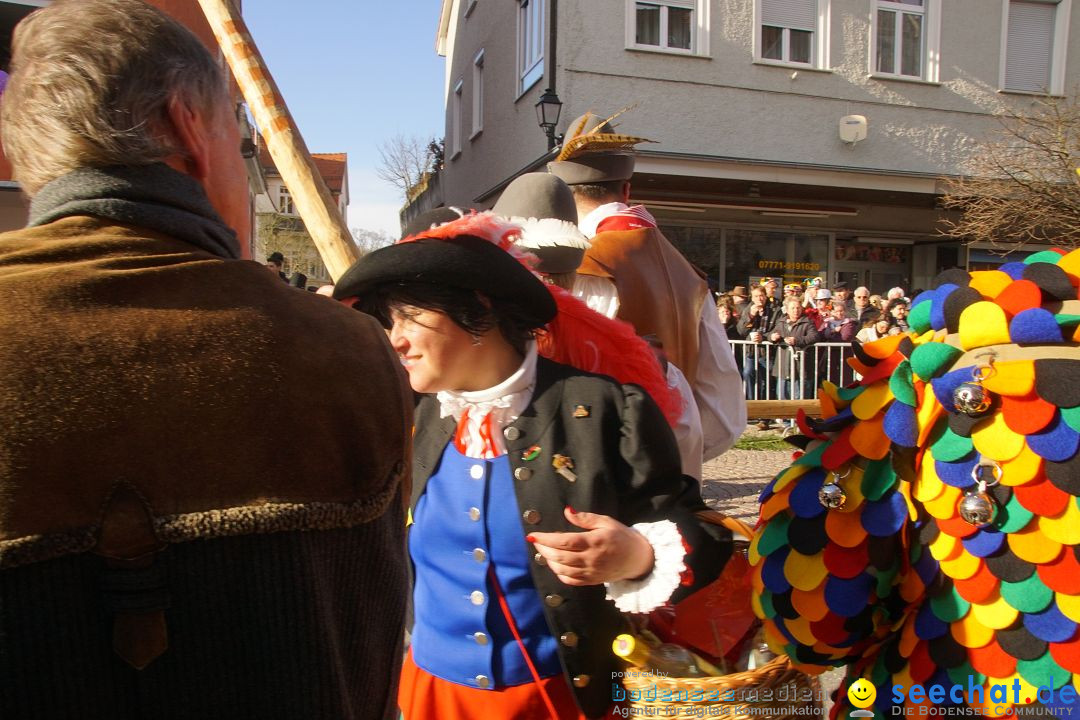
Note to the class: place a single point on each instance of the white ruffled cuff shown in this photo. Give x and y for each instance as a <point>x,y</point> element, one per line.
<point>653,590</point>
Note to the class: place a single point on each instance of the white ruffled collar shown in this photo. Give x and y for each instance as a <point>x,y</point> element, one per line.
<point>512,394</point>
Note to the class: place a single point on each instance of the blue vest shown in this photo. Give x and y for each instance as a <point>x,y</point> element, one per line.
<point>467,521</point>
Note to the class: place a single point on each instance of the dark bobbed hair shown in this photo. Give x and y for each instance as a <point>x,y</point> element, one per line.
<point>470,310</point>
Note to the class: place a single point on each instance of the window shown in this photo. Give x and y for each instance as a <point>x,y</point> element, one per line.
<point>792,31</point>
<point>285,203</point>
<point>679,26</point>
<point>478,94</point>
<point>905,38</point>
<point>1033,45</point>
<point>455,121</point>
<point>530,43</point>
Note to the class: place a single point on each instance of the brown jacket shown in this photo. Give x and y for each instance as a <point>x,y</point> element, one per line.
<point>190,451</point>
<point>660,292</point>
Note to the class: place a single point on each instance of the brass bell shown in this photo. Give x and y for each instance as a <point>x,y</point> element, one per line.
<point>971,398</point>
<point>977,508</point>
<point>832,496</point>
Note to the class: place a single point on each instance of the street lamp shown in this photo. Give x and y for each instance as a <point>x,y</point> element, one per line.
<point>548,108</point>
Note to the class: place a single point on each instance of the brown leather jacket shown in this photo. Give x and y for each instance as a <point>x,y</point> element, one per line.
<point>660,292</point>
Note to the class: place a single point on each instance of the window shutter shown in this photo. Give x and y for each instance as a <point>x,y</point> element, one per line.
<point>1029,46</point>
<point>795,14</point>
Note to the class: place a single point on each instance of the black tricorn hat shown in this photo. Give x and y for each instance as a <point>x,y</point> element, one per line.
<point>467,253</point>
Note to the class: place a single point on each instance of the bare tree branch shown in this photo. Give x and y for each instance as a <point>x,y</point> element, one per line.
<point>1022,185</point>
<point>408,162</point>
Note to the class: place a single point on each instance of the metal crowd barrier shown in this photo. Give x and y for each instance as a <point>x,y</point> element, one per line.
<point>776,371</point>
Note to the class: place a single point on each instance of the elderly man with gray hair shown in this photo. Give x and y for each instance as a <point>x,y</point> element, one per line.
<point>201,468</point>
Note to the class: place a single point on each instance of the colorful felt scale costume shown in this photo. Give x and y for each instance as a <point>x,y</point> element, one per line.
<point>929,532</point>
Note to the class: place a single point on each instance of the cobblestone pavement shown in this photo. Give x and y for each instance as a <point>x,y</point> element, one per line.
<point>732,482</point>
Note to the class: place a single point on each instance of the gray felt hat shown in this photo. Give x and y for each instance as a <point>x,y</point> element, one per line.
<point>594,153</point>
<point>544,207</point>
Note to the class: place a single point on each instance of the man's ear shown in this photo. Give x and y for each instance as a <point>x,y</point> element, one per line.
<point>192,132</point>
<point>626,191</point>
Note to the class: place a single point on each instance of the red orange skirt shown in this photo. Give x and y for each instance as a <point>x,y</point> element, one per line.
<point>422,696</point>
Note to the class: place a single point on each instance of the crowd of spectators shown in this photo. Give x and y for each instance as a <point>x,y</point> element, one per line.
<point>792,338</point>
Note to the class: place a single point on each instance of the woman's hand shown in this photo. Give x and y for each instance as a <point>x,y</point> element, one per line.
<point>606,551</point>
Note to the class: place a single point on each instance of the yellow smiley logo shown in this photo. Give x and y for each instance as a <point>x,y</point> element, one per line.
<point>861,693</point>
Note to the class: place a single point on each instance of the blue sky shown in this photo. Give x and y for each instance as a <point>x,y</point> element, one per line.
<point>354,73</point>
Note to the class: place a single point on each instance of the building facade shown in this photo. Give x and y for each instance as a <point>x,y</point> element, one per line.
<point>279,228</point>
<point>793,138</point>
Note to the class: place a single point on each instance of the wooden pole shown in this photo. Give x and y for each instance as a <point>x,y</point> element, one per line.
<point>306,186</point>
<point>781,408</point>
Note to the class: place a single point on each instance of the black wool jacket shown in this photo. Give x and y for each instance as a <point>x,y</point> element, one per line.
<point>627,466</point>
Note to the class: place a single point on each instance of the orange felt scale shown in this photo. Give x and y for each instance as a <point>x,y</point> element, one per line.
<point>1062,574</point>
<point>1031,544</point>
<point>1019,296</point>
<point>885,347</point>
<point>869,438</point>
<point>877,372</point>
<point>1027,414</point>
<point>990,283</point>
<point>991,660</point>
<point>978,588</point>
<point>845,529</point>
<point>1067,654</point>
<point>956,526</point>
<point>810,605</point>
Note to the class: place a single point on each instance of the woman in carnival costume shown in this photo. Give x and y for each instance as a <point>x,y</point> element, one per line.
<point>929,532</point>
<point>546,499</point>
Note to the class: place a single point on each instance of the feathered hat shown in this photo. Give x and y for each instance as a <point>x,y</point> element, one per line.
<point>543,206</point>
<point>478,252</point>
<point>594,153</point>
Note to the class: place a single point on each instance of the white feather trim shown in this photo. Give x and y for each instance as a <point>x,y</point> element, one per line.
<point>549,232</point>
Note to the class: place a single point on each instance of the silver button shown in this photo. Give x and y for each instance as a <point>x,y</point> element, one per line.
<point>531,516</point>
<point>479,555</point>
<point>476,597</point>
<point>483,681</point>
<point>553,600</point>
<point>474,513</point>
<point>581,681</point>
<point>523,473</point>
<point>511,433</point>
<point>540,559</point>
<point>477,472</point>
<point>569,639</point>
<point>480,638</point>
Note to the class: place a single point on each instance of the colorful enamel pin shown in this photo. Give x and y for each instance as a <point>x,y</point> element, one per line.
<point>531,453</point>
<point>581,411</point>
<point>564,466</point>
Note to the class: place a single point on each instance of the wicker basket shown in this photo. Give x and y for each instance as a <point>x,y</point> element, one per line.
<point>775,691</point>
